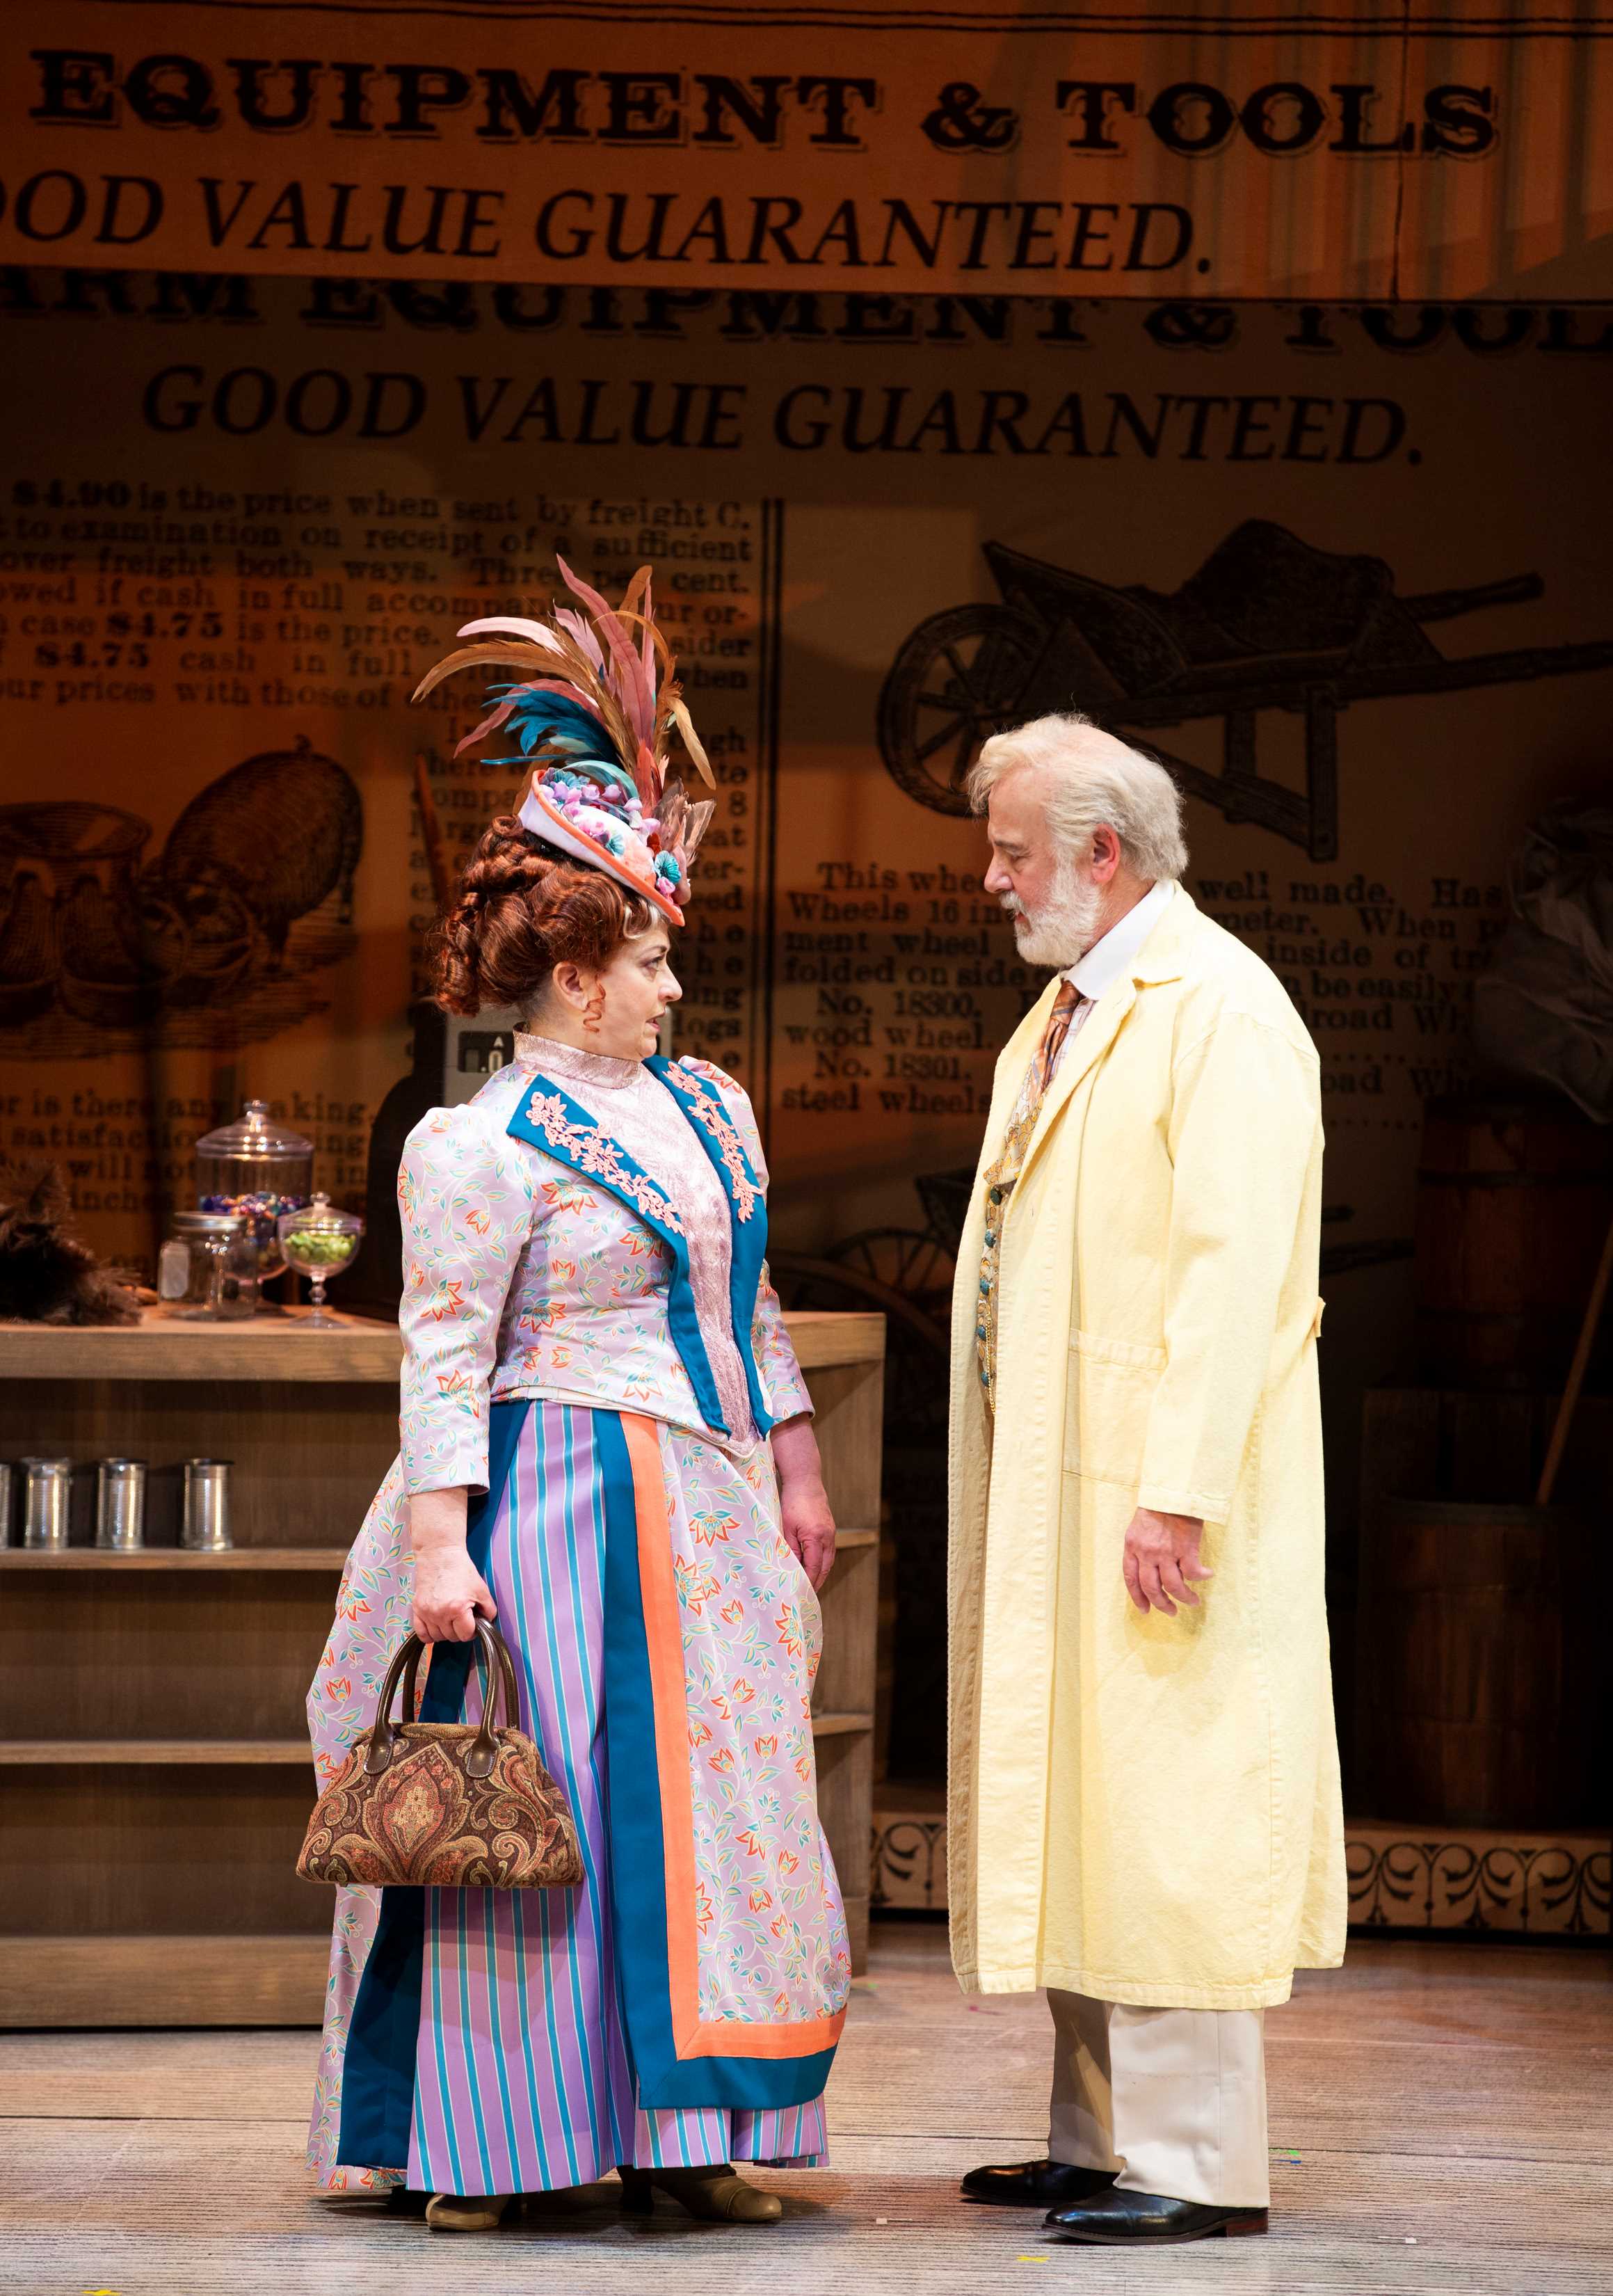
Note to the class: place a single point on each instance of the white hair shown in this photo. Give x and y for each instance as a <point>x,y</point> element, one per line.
<point>1094,781</point>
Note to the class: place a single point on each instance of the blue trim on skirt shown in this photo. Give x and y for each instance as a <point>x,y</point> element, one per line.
<point>378,2066</point>
<point>638,1870</point>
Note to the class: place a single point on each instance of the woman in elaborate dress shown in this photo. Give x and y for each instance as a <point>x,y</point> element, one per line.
<point>607,1446</point>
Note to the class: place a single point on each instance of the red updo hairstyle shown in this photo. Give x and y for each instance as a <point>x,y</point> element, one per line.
<point>522,909</point>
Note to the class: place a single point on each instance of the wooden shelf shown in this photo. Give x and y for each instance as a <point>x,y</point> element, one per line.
<point>39,1753</point>
<point>244,1558</point>
<point>256,1753</point>
<point>161,1348</point>
<point>822,1338</point>
<point>285,1347</point>
<point>840,1725</point>
<point>163,1978</point>
<point>120,1919</point>
<point>173,1558</point>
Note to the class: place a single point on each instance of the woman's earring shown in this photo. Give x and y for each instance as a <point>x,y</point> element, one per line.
<point>593,1011</point>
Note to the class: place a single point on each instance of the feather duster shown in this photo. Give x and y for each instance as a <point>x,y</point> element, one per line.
<point>48,1274</point>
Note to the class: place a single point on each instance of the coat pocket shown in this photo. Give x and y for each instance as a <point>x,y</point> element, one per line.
<point>1111,1389</point>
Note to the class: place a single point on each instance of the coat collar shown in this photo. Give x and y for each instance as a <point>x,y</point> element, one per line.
<point>1162,957</point>
<point>1114,955</point>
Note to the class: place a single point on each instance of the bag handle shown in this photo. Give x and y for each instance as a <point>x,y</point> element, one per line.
<point>498,1671</point>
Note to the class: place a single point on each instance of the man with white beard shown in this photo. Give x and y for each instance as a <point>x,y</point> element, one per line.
<point>1144,1814</point>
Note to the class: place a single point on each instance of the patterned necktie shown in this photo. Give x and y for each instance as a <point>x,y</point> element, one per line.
<point>1000,1180</point>
<point>1066,1006</point>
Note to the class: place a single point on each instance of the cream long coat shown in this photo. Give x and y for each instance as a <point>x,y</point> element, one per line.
<point>1146,1808</point>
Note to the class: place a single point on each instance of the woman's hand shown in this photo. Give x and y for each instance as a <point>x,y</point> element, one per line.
<point>804,1513</point>
<point>449,1590</point>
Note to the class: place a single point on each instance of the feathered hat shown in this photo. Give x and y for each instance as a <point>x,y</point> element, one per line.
<point>595,705</point>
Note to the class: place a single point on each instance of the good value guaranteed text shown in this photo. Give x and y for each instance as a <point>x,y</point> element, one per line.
<point>809,418</point>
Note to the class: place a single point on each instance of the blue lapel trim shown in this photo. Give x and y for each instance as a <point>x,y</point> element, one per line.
<point>549,1119</point>
<point>720,1137</point>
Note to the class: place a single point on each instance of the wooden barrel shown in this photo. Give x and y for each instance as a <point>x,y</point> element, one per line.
<point>1483,1686</point>
<point>1513,1200</point>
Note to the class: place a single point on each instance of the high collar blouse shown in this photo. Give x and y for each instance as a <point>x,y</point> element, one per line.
<point>526,1279</point>
<point>627,1100</point>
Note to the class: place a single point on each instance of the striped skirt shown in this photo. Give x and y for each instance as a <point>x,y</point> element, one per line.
<point>495,2041</point>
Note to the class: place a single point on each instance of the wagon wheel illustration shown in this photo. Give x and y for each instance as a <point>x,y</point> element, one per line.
<point>917,1345</point>
<point>954,682</point>
<point>911,1262</point>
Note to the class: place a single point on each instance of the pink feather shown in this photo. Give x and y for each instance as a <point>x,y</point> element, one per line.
<point>579,628</point>
<point>638,706</point>
<point>563,685</point>
<point>647,645</point>
<point>514,626</point>
<point>490,724</point>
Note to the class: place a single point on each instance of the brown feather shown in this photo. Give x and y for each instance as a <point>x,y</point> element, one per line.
<point>467,657</point>
<point>681,718</point>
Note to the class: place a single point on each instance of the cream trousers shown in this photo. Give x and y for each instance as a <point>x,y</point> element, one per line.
<point>1174,2099</point>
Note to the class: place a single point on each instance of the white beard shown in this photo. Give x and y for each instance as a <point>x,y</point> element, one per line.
<point>1064,928</point>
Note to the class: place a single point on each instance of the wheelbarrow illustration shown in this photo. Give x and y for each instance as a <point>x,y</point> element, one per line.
<point>1266,623</point>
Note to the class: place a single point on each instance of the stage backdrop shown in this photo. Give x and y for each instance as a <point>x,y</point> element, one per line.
<point>873,145</point>
<point>1348,567</point>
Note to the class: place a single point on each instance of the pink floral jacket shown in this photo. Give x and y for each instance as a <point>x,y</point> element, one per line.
<point>562,1230</point>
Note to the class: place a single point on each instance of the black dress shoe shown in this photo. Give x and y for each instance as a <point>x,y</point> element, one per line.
<point>1037,2185</point>
<point>1123,2219</point>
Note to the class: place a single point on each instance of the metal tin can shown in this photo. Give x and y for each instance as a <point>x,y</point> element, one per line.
<point>120,1504</point>
<point>205,1527</point>
<point>46,1488</point>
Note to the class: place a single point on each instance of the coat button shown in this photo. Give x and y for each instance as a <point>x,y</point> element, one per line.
<point>980,1331</point>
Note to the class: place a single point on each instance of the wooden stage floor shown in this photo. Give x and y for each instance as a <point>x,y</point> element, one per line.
<point>1440,2121</point>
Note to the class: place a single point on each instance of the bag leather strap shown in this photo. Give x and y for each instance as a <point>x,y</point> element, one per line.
<point>498,1671</point>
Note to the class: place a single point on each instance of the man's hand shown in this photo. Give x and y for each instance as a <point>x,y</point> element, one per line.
<point>1161,1555</point>
<point>805,1514</point>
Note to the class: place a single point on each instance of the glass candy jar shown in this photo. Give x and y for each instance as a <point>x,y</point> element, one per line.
<point>318,1242</point>
<point>259,1170</point>
<point>207,1272</point>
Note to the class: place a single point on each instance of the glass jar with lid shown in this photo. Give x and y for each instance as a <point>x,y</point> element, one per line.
<point>259,1170</point>
<point>319,1242</point>
<point>207,1271</point>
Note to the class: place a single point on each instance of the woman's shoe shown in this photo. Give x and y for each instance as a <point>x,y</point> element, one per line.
<point>716,2195</point>
<point>467,2213</point>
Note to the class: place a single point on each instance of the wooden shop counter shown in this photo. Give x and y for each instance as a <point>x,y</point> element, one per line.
<point>155,1778</point>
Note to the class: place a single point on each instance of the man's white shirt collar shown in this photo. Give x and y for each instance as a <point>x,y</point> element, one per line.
<point>1107,959</point>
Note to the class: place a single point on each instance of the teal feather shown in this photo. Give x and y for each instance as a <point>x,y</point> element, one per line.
<point>551,721</point>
